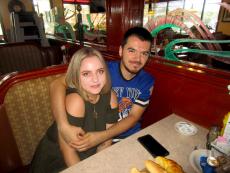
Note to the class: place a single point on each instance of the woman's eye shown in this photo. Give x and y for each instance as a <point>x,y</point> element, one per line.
<point>101,71</point>
<point>85,74</point>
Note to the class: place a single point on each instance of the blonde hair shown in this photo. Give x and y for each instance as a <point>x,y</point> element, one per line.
<point>73,72</point>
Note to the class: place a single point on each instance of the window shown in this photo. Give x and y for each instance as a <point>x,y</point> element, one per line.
<point>1,32</point>
<point>207,10</point>
<point>211,11</point>
<point>93,19</point>
<point>43,9</point>
<point>70,13</point>
<point>173,5</point>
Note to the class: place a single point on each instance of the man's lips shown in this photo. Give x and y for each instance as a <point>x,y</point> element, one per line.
<point>135,63</point>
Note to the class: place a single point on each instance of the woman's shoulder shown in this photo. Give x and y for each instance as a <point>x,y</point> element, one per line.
<point>75,104</point>
<point>71,90</point>
<point>73,96</point>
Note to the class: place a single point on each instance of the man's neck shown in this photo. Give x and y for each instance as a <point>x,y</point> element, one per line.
<point>125,73</point>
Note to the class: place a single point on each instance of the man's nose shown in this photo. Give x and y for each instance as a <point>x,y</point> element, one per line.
<point>138,56</point>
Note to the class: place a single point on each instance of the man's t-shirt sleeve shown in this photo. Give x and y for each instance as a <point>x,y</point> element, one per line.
<point>146,91</point>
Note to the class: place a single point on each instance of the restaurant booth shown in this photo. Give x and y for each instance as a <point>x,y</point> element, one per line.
<point>197,94</point>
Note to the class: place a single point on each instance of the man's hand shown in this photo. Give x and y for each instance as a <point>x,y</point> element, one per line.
<point>71,133</point>
<point>89,140</point>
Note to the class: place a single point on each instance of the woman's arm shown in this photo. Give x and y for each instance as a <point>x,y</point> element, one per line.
<point>113,104</point>
<point>70,155</point>
<point>74,106</point>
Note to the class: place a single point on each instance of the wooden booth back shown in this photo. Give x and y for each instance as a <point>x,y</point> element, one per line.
<point>197,94</point>
<point>25,115</point>
<point>27,56</point>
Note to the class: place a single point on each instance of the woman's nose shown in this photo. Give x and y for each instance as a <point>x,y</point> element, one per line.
<point>95,77</point>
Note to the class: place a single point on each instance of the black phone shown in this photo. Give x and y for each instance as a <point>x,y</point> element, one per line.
<point>153,146</point>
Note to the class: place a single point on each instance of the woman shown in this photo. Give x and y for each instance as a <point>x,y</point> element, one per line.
<point>90,104</point>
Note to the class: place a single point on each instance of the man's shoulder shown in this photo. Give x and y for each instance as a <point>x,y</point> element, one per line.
<point>144,75</point>
<point>112,64</point>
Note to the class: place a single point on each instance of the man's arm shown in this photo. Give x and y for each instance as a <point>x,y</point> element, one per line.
<point>57,95</point>
<point>113,105</point>
<point>92,139</point>
<point>126,123</point>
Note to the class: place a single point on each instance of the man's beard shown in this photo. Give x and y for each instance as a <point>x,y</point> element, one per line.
<point>133,72</point>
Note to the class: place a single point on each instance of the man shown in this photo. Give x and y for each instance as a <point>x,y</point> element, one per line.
<point>131,83</point>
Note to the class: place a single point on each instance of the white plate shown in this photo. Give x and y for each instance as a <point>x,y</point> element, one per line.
<point>185,128</point>
<point>194,159</point>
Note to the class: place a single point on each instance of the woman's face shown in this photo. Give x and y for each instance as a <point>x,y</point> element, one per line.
<point>92,75</point>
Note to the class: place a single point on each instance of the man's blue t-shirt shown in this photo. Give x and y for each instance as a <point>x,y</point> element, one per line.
<point>129,92</point>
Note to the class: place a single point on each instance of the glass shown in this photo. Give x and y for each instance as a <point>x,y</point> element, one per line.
<point>214,132</point>
<point>211,12</point>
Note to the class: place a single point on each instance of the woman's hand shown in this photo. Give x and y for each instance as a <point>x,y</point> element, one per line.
<point>89,140</point>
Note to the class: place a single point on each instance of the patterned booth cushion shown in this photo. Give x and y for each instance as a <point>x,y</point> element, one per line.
<point>28,108</point>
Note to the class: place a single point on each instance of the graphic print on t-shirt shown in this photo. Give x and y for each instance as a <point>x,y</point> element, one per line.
<point>126,97</point>
<point>124,106</point>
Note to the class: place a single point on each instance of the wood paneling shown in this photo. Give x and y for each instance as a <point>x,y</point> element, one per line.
<point>9,157</point>
<point>121,15</point>
<point>200,96</point>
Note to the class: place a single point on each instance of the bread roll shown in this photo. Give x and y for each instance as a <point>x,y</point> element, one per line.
<point>135,170</point>
<point>152,167</point>
<point>169,165</point>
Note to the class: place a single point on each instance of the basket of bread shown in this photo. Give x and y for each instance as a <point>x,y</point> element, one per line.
<point>160,165</point>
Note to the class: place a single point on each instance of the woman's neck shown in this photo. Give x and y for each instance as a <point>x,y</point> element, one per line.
<point>93,98</point>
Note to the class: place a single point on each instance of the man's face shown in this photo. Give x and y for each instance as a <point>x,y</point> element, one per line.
<point>134,55</point>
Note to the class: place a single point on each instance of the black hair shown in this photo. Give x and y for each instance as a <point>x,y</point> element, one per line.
<point>140,32</point>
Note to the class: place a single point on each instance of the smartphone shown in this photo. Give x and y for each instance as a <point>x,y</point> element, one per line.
<point>153,146</point>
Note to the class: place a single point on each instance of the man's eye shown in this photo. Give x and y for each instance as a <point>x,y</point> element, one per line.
<point>146,54</point>
<point>131,50</point>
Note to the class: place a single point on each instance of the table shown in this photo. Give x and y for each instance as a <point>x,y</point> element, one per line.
<point>128,153</point>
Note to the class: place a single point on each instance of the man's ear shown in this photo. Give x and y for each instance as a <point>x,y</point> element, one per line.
<point>120,51</point>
